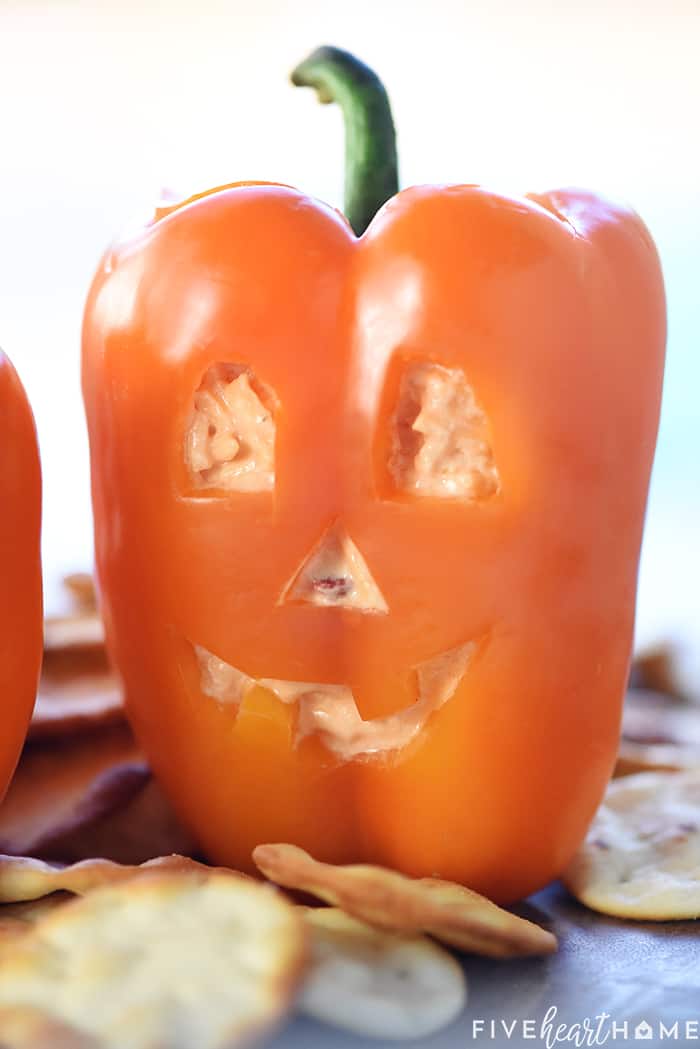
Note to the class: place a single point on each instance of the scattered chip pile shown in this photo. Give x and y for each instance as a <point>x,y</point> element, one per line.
<point>115,935</point>
<point>176,953</point>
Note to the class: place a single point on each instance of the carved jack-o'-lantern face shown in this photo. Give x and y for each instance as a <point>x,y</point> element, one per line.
<point>367,520</point>
<point>440,449</point>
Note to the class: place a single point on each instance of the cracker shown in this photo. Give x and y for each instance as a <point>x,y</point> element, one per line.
<point>143,827</point>
<point>78,688</point>
<point>81,587</point>
<point>641,858</point>
<point>650,718</point>
<point>659,733</point>
<point>78,624</point>
<point>635,757</point>
<point>27,1028</point>
<point>26,878</point>
<point>391,901</point>
<point>78,630</point>
<point>17,918</point>
<point>84,703</point>
<point>378,984</point>
<point>656,668</point>
<point>200,958</point>
<point>78,692</point>
<point>68,785</point>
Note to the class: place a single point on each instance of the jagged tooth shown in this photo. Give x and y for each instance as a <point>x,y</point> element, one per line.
<point>439,676</point>
<point>220,680</point>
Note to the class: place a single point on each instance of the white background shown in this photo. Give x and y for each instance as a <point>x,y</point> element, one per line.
<point>102,104</point>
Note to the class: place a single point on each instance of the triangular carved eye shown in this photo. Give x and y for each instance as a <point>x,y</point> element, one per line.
<point>441,444</point>
<point>230,438</point>
<point>335,574</point>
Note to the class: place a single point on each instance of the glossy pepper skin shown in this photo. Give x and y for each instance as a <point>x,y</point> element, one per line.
<point>553,307</point>
<point>21,622</point>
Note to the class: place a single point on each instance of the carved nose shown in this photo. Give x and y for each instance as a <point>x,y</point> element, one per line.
<point>334,574</point>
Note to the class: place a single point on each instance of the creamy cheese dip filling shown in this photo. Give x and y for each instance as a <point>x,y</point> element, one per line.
<point>440,437</point>
<point>330,711</point>
<point>230,438</point>
<point>335,574</point>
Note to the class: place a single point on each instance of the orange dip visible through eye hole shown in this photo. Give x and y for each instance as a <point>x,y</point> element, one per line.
<point>441,440</point>
<point>230,441</point>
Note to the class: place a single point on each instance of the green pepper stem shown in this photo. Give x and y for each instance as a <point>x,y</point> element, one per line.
<point>371,166</point>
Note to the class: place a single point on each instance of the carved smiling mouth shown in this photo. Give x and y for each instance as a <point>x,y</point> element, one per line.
<point>330,711</point>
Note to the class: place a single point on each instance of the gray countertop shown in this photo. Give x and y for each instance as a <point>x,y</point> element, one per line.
<point>634,972</point>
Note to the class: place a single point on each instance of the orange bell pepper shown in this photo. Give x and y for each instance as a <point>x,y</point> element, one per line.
<point>368,509</point>
<point>21,620</point>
